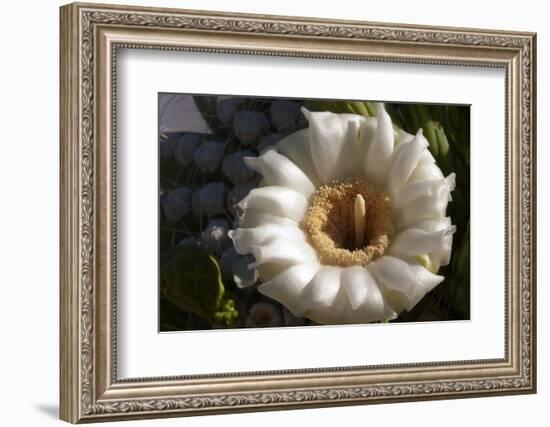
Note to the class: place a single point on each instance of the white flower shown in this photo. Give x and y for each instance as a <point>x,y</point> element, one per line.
<point>349,223</point>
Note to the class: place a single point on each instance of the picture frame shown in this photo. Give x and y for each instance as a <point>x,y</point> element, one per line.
<point>91,37</point>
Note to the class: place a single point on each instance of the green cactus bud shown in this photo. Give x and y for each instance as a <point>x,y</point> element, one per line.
<point>446,157</point>
<point>413,119</point>
<point>428,125</point>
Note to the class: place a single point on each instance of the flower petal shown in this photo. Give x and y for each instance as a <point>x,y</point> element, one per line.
<point>283,251</point>
<point>255,218</point>
<point>245,238</point>
<point>321,291</point>
<point>296,147</point>
<point>422,203</point>
<point>405,283</point>
<point>367,134</point>
<point>405,160</point>
<point>280,201</point>
<point>269,270</point>
<point>414,242</point>
<point>416,190</point>
<point>287,286</point>
<point>354,282</point>
<point>426,159</point>
<point>403,137</point>
<point>439,258</point>
<point>334,144</point>
<point>366,301</point>
<point>279,170</point>
<point>381,148</point>
<point>432,224</point>
<point>426,170</point>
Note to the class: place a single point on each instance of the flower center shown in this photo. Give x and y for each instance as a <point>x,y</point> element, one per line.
<point>348,223</point>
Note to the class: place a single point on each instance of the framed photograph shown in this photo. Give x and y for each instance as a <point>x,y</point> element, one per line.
<point>267,212</point>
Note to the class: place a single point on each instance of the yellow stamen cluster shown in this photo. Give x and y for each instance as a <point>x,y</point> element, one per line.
<point>330,220</point>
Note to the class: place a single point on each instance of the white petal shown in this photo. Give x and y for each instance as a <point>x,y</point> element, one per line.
<point>414,242</point>
<point>367,134</point>
<point>405,160</point>
<point>406,283</point>
<point>366,301</point>
<point>403,137</point>
<point>355,281</point>
<point>334,144</point>
<point>280,201</point>
<point>426,159</point>
<point>269,270</point>
<point>337,313</point>
<point>381,148</point>
<point>425,208</point>
<point>283,251</point>
<point>279,170</point>
<point>321,291</point>
<point>415,190</point>
<point>442,257</point>
<point>432,225</point>
<point>245,238</point>
<point>426,171</point>
<point>296,147</point>
<point>287,286</point>
<point>422,206</point>
<point>326,299</point>
<point>255,218</point>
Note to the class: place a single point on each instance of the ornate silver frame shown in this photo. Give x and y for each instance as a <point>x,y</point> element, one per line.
<point>90,36</point>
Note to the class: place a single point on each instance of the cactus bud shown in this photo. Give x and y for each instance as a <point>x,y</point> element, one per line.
<point>209,200</point>
<point>208,156</point>
<point>186,146</point>
<point>286,116</point>
<point>249,125</point>
<point>235,170</point>
<point>176,204</point>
